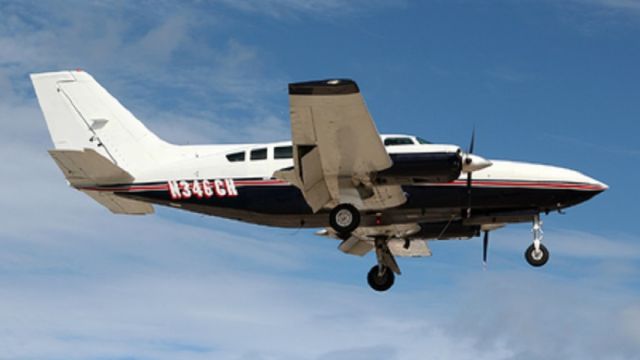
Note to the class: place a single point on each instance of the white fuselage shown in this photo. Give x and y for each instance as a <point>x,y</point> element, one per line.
<point>210,161</point>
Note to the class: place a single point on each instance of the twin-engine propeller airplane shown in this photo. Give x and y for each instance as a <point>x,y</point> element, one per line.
<point>388,193</point>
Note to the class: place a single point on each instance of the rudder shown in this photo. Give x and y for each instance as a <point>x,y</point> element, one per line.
<point>81,114</point>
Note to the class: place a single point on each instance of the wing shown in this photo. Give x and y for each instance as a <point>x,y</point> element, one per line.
<point>336,148</point>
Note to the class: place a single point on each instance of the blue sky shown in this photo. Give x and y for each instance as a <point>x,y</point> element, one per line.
<point>542,81</point>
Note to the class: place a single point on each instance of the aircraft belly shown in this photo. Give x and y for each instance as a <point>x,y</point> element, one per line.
<point>283,204</point>
<point>277,203</point>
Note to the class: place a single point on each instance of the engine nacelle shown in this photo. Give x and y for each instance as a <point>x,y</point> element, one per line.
<point>435,167</point>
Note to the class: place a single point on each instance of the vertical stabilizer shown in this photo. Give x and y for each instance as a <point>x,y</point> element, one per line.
<point>81,114</point>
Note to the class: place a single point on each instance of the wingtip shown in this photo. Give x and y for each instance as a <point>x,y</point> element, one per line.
<point>324,87</point>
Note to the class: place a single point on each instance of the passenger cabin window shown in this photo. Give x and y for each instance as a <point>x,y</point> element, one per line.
<point>283,152</point>
<point>398,141</point>
<point>239,156</point>
<point>259,154</point>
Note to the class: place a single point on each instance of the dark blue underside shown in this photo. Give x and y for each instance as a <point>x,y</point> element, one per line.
<point>288,200</point>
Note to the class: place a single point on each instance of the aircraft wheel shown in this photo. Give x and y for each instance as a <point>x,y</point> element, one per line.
<point>380,282</point>
<point>534,258</point>
<point>344,218</point>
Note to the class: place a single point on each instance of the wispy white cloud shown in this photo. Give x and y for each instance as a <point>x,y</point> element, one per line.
<point>590,17</point>
<point>297,8</point>
<point>169,308</point>
<point>157,66</point>
<point>633,5</point>
<point>555,313</point>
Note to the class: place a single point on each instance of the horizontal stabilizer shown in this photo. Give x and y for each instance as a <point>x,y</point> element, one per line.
<point>87,167</point>
<point>120,205</point>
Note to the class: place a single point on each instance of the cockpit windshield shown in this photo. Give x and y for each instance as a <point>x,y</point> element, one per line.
<point>423,141</point>
<point>392,141</point>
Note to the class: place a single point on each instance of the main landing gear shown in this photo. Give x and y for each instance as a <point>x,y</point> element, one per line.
<point>537,254</point>
<point>382,276</point>
<point>344,219</point>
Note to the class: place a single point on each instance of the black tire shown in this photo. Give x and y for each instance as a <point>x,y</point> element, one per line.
<point>536,261</point>
<point>344,218</point>
<point>380,283</point>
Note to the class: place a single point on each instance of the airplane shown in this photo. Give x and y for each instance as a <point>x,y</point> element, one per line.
<point>390,194</point>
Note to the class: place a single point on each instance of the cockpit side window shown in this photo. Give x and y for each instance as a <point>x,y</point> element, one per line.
<point>259,154</point>
<point>238,156</point>
<point>423,141</point>
<point>283,152</point>
<point>398,141</point>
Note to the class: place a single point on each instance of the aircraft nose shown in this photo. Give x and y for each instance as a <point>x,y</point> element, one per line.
<point>593,184</point>
<point>580,181</point>
<point>584,187</point>
<point>602,185</point>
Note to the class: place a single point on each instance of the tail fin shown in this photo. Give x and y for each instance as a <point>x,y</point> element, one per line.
<point>97,140</point>
<point>81,114</point>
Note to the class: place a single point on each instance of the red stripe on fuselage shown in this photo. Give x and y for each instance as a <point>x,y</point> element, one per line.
<point>476,183</point>
<point>259,182</point>
<point>524,184</point>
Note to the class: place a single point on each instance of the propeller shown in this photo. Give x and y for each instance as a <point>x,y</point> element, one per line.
<point>471,163</point>
<point>468,160</point>
<point>485,247</point>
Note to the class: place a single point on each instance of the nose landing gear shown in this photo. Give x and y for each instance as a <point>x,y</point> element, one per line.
<point>537,254</point>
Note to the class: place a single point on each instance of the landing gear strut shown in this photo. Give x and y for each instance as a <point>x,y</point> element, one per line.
<point>344,218</point>
<point>537,254</point>
<point>381,276</point>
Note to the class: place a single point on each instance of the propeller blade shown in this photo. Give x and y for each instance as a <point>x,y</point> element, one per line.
<point>468,195</point>
<point>485,246</point>
<point>468,160</point>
